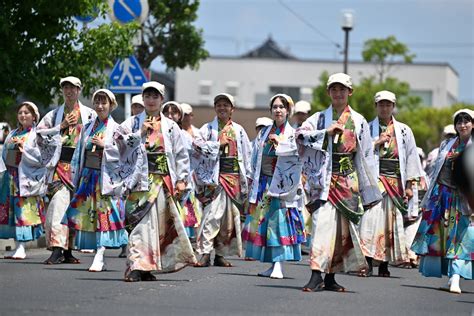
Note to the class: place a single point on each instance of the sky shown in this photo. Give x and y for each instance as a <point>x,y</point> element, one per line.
<point>435,30</point>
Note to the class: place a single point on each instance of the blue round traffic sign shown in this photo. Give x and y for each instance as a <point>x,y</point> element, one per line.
<point>125,11</point>
<point>88,18</point>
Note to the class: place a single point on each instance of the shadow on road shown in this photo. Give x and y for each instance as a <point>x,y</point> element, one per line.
<point>354,274</point>
<point>299,288</point>
<point>433,288</point>
<point>9,261</point>
<point>97,279</point>
<point>252,275</point>
<point>81,270</point>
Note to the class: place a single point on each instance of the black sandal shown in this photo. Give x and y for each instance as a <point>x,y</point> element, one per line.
<point>147,276</point>
<point>69,258</point>
<point>330,283</point>
<point>204,262</point>
<point>51,260</point>
<point>315,284</point>
<point>318,288</point>
<point>367,272</point>
<point>219,261</point>
<point>72,260</point>
<point>56,256</point>
<point>334,287</point>
<point>133,276</point>
<point>383,270</point>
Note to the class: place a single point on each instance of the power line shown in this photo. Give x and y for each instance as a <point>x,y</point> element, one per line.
<point>314,28</point>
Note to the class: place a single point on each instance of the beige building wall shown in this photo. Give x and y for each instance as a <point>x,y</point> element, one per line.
<point>250,79</point>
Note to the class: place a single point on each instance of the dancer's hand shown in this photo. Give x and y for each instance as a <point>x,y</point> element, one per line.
<point>383,138</point>
<point>335,128</point>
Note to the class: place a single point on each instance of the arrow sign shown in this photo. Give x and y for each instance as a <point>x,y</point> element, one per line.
<point>125,11</point>
<point>127,76</point>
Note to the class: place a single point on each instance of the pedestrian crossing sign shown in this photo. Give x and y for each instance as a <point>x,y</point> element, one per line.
<point>127,76</point>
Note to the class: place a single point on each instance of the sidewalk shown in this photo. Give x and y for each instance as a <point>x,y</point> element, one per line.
<point>9,244</point>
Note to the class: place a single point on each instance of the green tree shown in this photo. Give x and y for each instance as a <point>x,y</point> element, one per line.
<point>321,99</point>
<point>362,99</point>
<point>169,32</point>
<point>384,53</point>
<point>41,43</point>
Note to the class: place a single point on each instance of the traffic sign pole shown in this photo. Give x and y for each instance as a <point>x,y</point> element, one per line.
<point>127,76</point>
<point>128,105</point>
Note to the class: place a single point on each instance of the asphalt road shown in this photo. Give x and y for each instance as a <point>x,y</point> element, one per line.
<point>29,287</point>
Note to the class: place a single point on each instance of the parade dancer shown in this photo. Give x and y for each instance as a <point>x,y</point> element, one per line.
<point>444,239</point>
<point>154,166</point>
<point>398,169</point>
<point>173,111</point>
<point>137,105</point>
<point>69,120</point>
<point>338,160</point>
<point>261,123</point>
<point>24,165</point>
<point>274,228</point>
<point>302,112</point>
<point>412,220</point>
<point>222,152</point>
<point>97,211</point>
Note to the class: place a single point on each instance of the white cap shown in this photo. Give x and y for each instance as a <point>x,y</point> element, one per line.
<point>449,129</point>
<point>138,99</point>
<point>110,95</point>
<point>187,108</point>
<point>263,121</point>
<point>287,98</point>
<point>467,111</point>
<point>341,78</point>
<point>302,107</point>
<point>72,80</point>
<point>35,109</point>
<point>385,95</point>
<point>173,103</point>
<point>224,96</point>
<point>155,85</point>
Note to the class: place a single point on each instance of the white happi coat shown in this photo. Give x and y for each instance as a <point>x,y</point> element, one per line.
<point>188,140</point>
<point>37,160</point>
<point>317,161</point>
<point>50,125</point>
<point>206,157</point>
<point>409,161</point>
<point>110,183</point>
<point>133,169</point>
<point>444,149</point>
<point>410,164</point>
<point>286,181</point>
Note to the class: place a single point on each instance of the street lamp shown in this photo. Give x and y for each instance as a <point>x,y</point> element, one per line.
<point>347,25</point>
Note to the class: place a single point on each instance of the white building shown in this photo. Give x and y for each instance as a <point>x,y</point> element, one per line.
<point>254,77</point>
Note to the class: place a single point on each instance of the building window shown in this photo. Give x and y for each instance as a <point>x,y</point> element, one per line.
<point>232,88</point>
<point>205,87</point>
<point>425,95</point>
